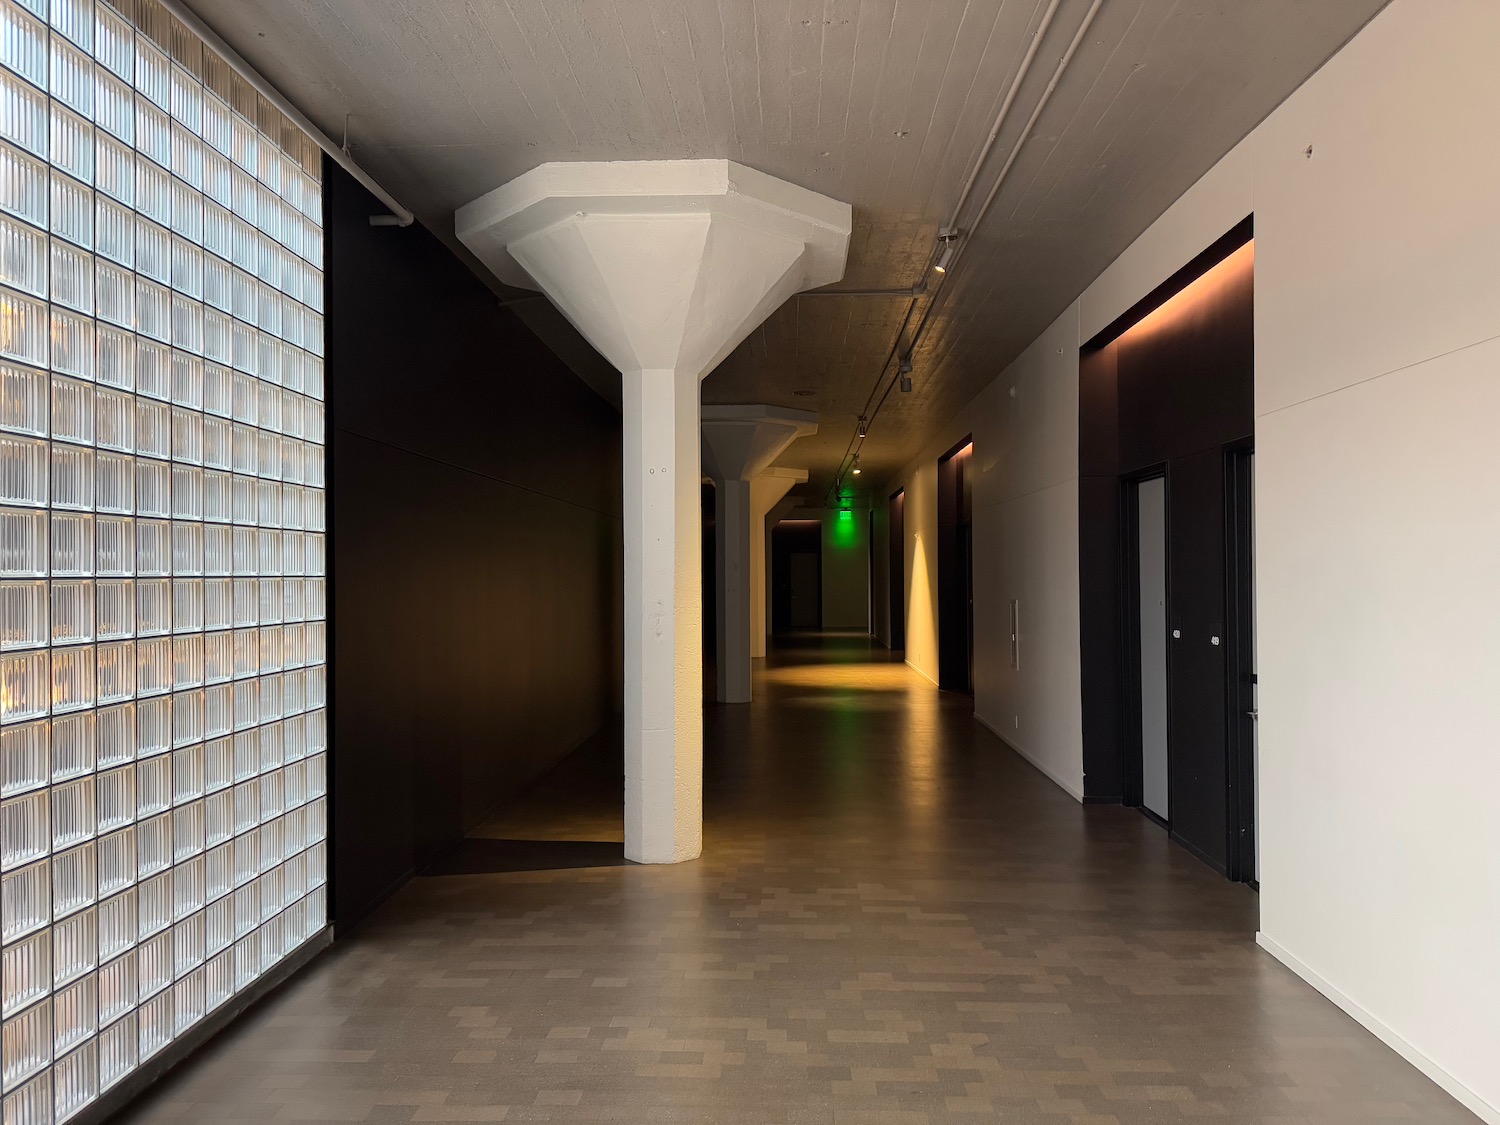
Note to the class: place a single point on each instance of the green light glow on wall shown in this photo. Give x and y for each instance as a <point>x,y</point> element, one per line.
<point>845,529</point>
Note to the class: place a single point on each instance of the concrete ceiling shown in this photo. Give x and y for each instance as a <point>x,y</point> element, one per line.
<point>882,103</point>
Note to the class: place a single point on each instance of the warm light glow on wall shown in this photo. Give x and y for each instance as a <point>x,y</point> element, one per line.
<point>162,519</point>
<point>1202,292</point>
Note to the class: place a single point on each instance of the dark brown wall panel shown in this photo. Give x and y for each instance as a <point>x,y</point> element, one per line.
<point>474,551</point>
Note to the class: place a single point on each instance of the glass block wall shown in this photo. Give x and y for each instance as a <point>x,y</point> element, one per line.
<point>162,676</point>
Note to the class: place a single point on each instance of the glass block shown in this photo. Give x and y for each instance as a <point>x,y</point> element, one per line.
<point>218,815</point>
<point>72,277</point>
<point>218,392</point>
<point>118,1049</point>
<point>27,1048</point>
<point>25,830</point>
<point>218,496</point>
<point>23,257</point>
<point>23,615</point>
<point>115,599</point>
<point>75,1013</point>
<point>116,306</point>
<point>153,139</point>
<point>188,879</point>
<point>187,211</point>
<point>153,606</point>
<point>114,168</point>
<point>153,553</point>
<point>153,310</point>
<point>24,400</point>
<point>156,1023</point>
<point>187,718</point>
<point>187,155</point>
<point>74,880</point>
<point>23,114</point>
<point>246,817</point>
<point>187,548</point>
<point>153,719</point>
<point>153,958</point>
<point>117,858</point>
<point>72,545</point>
<point>74,19</point>
<point>153,420</point>
<point>116,548</point>
<point>268,456</point>
<point>187,386</point>
<point>114,107</point>
<point>72,146</point>
<point>117,924</point>
<point>114,42</point>
<point>218,658</point>
<point>72,210</point>
<point>114,483</point>
<point>27,972</point>
<point>26,334</point>
<point>24,757</point>
<point>187,661</point>
<point>73,813</point>
<point>117,671</point>
<point>72,77</point>
<point>117,368</point>
<point>247,603</point>
<point>32,1103</point>
<point>23,543</point>
<point>72,612</point>
<point>75,946</point>
<point>270,698</point>
<point>73,745</point>
<point>75,1081</point>
<point>72,343</point>
<point>153,789</point>
<point>72,477</point>
<point>187,492</point>
<point>25,690</point>
<point>153,73</point>
<point>117,988</point>
<point>189,940</point>
<point>72,410</point>
<point>23,184</point>
<point>153,898</point>
<point>188,773</point>
<point>23,44</point>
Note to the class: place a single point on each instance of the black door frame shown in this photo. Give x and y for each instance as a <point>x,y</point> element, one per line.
<point>955,604</point>
<point>1132,745</point>
<point>1239,670</point>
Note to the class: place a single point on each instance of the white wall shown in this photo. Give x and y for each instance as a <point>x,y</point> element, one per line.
<point>1025,467</point>
<point>1378,526</point>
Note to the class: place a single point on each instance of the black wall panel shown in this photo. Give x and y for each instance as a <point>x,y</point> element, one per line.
<point>475,552</point>
<point>1166,390</point>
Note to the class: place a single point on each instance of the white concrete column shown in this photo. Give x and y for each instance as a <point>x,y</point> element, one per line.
<point>663,615</point>
<point>664,266</point>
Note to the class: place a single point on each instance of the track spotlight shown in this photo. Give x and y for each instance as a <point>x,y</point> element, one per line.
<point>864,427</point>
<point>857,470</point>
<point>904,372</point>
<point>945,260</point>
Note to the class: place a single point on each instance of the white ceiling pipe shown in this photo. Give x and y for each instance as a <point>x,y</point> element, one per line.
<point>399,216</point>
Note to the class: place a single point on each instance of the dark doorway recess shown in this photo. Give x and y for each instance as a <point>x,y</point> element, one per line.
<point>897,571</point>
<point>956,569</point>
<point>1166,394</point>
<point>796,576</point>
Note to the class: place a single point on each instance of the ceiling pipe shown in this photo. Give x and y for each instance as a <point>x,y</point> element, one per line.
<point>399,216</point>
<point>1010,97</point>
<point>962,244</point>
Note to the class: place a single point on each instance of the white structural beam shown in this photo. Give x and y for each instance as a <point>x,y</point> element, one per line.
<point>664,266</point>
<point>739,444</point>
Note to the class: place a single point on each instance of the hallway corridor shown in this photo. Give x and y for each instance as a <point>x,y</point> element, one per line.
<point>896,920</point>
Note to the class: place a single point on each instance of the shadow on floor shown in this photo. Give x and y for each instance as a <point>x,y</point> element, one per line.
<point>480,856</point>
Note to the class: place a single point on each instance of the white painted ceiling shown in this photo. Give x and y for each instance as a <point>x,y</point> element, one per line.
<point>882,103</point>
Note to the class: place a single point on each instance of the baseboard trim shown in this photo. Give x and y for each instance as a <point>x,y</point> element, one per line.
<point>1067,787</point>
<point>921,673</point>
<point>1489,1114</point>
